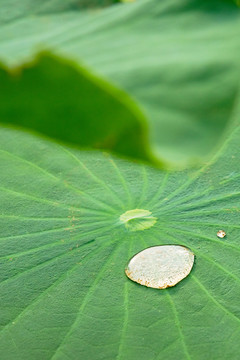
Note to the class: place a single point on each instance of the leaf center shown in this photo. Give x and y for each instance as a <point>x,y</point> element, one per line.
<point>138,219</point>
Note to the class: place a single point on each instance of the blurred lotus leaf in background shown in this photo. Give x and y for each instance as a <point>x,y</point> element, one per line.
<point>177,60</point>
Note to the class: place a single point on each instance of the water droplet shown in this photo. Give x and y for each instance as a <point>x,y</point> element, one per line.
<point>221,234</point>
<point>160,266</point>
<point>138,219</point>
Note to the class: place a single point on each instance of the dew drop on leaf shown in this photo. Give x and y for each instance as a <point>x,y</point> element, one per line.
<point>160,266</point>
<point>221,234</point>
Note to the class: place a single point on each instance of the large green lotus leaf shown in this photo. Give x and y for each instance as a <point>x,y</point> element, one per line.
<point>64,294</point>
<point>178,59</point>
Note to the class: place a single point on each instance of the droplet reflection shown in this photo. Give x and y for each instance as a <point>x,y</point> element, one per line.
<point>160,266</point>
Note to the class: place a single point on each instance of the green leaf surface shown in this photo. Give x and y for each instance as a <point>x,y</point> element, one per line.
<point>64,294</point>
<point>179,60</point>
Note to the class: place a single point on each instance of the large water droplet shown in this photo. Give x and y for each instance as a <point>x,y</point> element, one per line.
<point>138,219</point>
<point>160,266</point>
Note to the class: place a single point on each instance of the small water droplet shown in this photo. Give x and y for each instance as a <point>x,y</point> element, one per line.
<point>221,234</point>
<point>138,219</point>
<point>160,266</point>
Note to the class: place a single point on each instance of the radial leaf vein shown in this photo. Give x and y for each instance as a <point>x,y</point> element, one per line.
<point>64,183</point>
<point>85,300</point>
<point>123,181</point>
<point>93,176</point>
<point>53,285</point>
<point>126,312</point>
<point>213,299</point>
